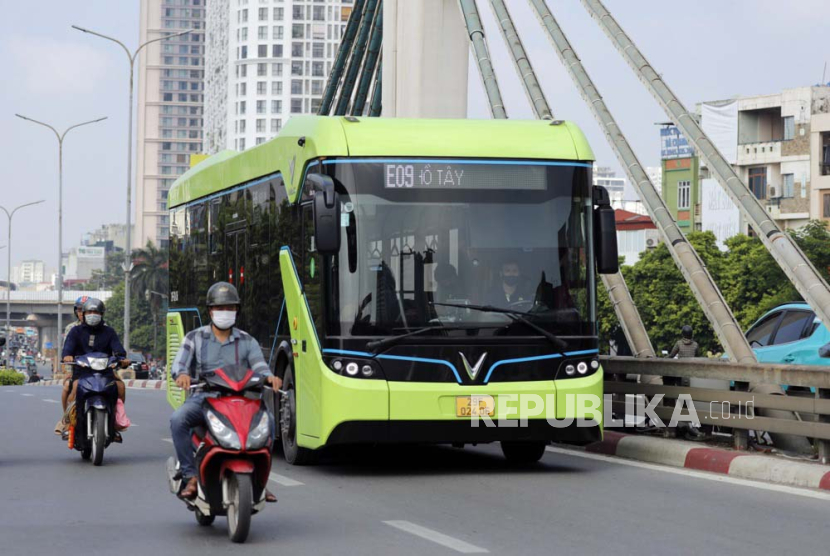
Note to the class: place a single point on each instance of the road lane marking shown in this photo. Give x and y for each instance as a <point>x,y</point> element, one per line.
<point>28,395</point>
<point>285,481</point>
<point>50,400</point>
<point>170,440</point>
<point>436,537</point>
<point>693,473</point>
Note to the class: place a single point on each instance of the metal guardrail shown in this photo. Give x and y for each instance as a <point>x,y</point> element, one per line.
<point>52,296</point>
<point>728,408</point>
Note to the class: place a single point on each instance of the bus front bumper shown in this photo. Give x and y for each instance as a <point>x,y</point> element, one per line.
<point>418,412</point>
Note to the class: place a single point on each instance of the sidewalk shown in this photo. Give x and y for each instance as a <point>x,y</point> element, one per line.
<point>693,455</point>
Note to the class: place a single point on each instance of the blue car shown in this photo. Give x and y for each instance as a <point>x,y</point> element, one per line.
<point>789,333</point>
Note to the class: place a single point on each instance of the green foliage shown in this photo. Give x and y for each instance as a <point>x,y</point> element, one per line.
<point>9,377</point>
<point>750,280</point>
<point>111,276</point>
<point>141,322</point>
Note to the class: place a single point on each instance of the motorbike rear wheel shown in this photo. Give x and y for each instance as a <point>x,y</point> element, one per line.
<point>99,436</point>
<point>241,501</point>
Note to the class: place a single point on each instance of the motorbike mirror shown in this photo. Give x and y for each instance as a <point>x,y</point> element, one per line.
<point>824,351</point>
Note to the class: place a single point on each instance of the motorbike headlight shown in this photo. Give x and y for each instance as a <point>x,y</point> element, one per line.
<point>98,363</point>
<point>259,433</point>
<point>225,435</point>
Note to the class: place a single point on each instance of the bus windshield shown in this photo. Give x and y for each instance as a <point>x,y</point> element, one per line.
<point>423,238</point>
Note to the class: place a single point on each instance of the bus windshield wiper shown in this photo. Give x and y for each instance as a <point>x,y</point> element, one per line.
<point>378,346</point>
<point>517,316</point>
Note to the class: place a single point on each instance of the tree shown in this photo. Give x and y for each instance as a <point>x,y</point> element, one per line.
<point>750,280</point>
<point>141,321</point>
<point>150,279</point>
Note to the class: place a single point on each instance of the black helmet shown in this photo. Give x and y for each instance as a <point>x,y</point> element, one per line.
<point>79,303</point>
<point>94,304</point>
<point>686,331</point>
<point>222,293</point>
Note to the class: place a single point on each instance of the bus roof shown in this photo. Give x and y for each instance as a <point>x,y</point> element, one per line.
<point>379,137</point>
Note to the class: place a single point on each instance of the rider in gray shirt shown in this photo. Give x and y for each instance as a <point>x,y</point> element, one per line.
<point>205,349</point>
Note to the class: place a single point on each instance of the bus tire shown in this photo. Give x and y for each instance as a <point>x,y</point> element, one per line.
<point>294,454</point>
<point>523,453</point>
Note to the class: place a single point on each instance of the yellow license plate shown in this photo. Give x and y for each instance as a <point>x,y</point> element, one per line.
<point>474,406</point>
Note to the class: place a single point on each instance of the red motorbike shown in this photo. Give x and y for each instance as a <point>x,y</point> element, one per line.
<point>232,453</point>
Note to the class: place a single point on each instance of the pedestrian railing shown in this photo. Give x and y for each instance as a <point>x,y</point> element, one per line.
<point>748,401</point>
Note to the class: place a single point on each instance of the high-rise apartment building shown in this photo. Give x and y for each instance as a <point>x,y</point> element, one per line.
<point>28,272</point>
<point>170,106</point>
<point>266,60</point>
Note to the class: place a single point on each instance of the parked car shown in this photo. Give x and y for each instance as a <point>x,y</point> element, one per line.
<point>139,364</point>
<point>789,333</point>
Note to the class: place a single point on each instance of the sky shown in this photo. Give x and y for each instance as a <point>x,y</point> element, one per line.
<point>705,50</point>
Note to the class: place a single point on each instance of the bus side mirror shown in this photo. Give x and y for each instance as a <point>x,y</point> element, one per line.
<point>326,214</point>
<point>605,233</point>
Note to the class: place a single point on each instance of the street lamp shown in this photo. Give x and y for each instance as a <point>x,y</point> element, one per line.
<point>128,255</point>
<point>10,215</point>
<point>60,137</point>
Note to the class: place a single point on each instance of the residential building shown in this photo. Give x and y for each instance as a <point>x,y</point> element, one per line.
<point>266,61</point>
<point>79,263</point>
<point>28,272</point>
<point>779,144</point>
<point>680,187</point>
<point>616,187</point>
<point>170,104</point>
<point>655,174</point>
<point>111,236</point>
<point>635,233</point>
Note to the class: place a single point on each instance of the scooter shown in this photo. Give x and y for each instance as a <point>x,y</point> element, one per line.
<point>233,453</point>
<point>95,402</point>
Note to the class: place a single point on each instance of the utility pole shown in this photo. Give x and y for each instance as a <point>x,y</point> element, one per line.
<point>60,137</point>
<point>131,56</point>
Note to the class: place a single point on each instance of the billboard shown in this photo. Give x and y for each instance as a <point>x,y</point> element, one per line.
<point>720,215</point>
<point>673,144</point>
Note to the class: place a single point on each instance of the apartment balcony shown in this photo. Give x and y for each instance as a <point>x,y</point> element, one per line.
<point>766,152</point>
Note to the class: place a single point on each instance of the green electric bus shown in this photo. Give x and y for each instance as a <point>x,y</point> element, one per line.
<point>410,280</point>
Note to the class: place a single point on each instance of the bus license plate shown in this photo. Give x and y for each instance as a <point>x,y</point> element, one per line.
<point>474,406</point>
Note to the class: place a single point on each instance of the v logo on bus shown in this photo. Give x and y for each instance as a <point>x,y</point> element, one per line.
<point>472,371</point>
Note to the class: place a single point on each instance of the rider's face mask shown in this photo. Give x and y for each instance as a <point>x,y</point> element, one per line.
<point>223,319</point>
<point>92,319</point>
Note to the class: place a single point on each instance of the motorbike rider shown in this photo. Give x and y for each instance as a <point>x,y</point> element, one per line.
<point>204,349</point>
<point>79,316</point>
<point>93,336</point>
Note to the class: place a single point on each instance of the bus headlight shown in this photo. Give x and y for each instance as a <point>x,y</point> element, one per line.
<point>352,368</point>
<point>355,367</point>
<point>570,370</point>
<point>582,367</point>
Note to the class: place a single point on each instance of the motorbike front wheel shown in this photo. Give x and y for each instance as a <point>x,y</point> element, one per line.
<point>240,506</point>
<point>99,436</point>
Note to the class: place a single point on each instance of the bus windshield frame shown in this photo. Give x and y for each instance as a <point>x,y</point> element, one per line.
<point>513,234</point>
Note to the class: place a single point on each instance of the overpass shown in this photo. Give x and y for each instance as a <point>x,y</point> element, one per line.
<point>40,310</point>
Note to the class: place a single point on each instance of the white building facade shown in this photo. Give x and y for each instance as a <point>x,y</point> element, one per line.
<point>266,60</point>
<point>779,144</point>
<point>28,272</point>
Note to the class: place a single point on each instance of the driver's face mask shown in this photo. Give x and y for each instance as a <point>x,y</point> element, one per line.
<point>92,319</point>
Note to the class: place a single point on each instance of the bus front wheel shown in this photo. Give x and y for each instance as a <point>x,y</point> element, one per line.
<point>294,454</point>
<point>523,452</point>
